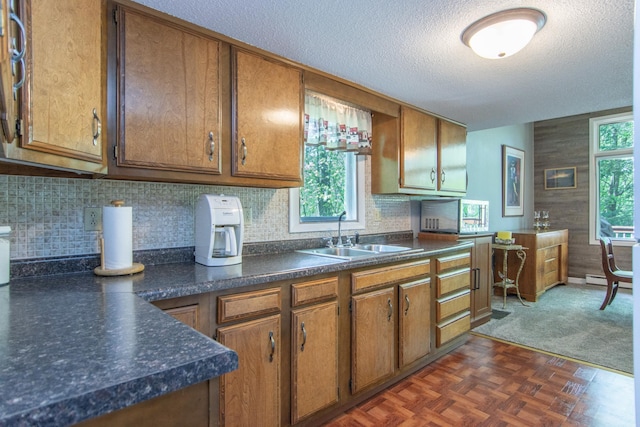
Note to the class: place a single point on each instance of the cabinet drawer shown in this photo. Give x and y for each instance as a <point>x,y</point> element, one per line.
<point>248,304</point>
<point>451,330</point>
<point>550,265</point>
<point>452,282</point>
<point>452,306</point>
<point>385,275</point>
<point>318,290</point>
<point>453,261</point>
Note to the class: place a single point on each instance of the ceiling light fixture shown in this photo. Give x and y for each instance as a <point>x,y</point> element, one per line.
<point>503,33</point>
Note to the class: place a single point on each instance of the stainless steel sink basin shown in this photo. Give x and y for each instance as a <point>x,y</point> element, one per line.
<point>343,253</point>
<point>357,251</point>
<point>382,248</point>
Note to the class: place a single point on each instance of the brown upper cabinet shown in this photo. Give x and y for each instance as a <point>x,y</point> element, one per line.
<point>418,153</point>
<point>168,98</point>
<point>268,104</point>
<point>58,112</point>
<point>191,107</point>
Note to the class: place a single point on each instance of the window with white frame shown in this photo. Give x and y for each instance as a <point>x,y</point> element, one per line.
<point>335,133</point>
<point>611,178</point>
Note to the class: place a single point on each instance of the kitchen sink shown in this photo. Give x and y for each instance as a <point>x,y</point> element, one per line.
<point>357,251</point>
<point>343,253</point>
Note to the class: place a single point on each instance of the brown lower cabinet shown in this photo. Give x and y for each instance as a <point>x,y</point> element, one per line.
<point>308,349</point>
<point>481,279</point>
<point>546,264</point>
<point>250,395</point>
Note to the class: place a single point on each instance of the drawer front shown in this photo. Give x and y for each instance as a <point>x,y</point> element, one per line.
<point>453,261</point>
<point>248,304</point>
<point>452,306</point>
<point>448,283</point>
<point>386,275</point>
<point>318,290</point>
<point>449,331</point>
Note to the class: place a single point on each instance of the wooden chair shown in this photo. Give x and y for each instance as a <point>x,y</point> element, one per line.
<point>611,271</point>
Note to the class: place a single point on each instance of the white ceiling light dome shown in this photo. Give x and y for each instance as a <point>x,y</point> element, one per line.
<point>503,33</point>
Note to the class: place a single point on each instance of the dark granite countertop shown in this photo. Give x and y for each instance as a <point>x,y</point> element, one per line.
<point>75,346</point>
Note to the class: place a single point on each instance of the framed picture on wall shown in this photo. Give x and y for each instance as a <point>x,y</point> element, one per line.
<point>559,178</point>
<point>512,181</point>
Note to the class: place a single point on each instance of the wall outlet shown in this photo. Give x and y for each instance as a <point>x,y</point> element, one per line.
<point>92,219</point>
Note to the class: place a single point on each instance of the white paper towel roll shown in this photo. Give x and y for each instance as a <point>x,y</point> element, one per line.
<point>117,230</point>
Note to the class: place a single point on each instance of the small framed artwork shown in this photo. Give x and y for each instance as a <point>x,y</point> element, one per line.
<point>559,178</point>
<point>512,181</point>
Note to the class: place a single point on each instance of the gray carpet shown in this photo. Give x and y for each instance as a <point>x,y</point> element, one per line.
<point>566,321</point>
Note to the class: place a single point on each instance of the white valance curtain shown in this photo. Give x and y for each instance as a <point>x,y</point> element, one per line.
<point>336,124</point>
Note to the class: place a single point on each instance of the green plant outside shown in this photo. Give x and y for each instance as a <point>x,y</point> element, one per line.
<point>616,175</point>
<point>324,191</point>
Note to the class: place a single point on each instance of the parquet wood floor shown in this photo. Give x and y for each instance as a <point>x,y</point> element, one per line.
<point>491,383</point>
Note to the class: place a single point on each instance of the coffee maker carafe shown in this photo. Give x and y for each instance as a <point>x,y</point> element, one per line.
<point>219,229</point>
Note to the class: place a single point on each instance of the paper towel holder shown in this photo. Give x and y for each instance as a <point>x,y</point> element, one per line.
<point>102,271</point>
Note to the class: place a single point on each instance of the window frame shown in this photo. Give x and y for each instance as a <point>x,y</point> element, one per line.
<point>354,220</point>
<point>595,154</point>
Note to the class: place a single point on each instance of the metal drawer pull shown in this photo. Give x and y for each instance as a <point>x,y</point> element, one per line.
<point>406,299</point>
<point>98,127</point>
<point>390,310</point>
<point>17,55</point>
<point>304,337</point>
<point>273,346</point>
<point>212,146</point>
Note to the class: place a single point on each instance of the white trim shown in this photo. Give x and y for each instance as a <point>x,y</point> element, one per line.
<point>594,155</point>
<point>353,222</point>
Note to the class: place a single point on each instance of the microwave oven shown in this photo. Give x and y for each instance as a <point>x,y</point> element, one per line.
<point>454,216</point>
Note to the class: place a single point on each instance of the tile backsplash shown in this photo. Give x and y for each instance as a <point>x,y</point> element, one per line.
<point>46,214</point>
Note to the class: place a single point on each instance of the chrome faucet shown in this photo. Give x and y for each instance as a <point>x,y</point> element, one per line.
<point>339,245</point>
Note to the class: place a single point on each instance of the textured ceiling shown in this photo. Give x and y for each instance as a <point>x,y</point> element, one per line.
<point>410,50</point>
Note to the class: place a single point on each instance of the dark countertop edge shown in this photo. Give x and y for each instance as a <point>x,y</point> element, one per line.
<point>332,265</point>
<point>103,401</point>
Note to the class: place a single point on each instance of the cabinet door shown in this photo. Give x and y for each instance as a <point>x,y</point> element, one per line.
<point>481,281</point>
<point>314,376</point>
<point>169,96</point>
<point>192,310</point>
<point>452,157</point>
<point>267,127</point>
<point>414,321</point>
<point>8,106</point>
<point>373,344</point>
<point>63,105</point>
<point>418,151</point>
<point>250,395</point>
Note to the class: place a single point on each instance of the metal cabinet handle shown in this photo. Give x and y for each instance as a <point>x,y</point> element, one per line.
<point>304,337</point>
<point>23,74</point>
<point>244,151</point>
<point>390,310</point>
<point>273,346</point>
<point>433,175</point>
<point>212,146</point>
<point>443,175</point>
<point>97,129</point>
<point>406,299</point>
<point>17,55</point>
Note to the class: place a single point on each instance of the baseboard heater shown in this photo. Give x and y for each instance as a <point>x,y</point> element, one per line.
<point>595,279</point>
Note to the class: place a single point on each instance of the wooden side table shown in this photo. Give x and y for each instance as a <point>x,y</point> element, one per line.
<point>507,283</point>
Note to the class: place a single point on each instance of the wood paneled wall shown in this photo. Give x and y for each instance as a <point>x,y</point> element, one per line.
<point>564,142</point>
